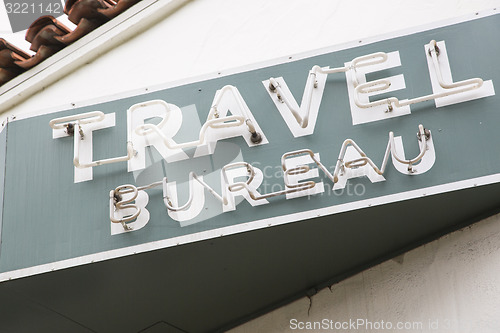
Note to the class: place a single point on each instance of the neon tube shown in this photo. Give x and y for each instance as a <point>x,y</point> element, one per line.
<point>83,118</point>
<point>359,161</point>
<point>300,152</point>
<point>76,160</point>
<point>434,53</point>
<point>77,121</point>
<point>423,134</point>
<point>452,88</point>
<point>115,200</point>
<point>256,195</point>
<point>274,86</point>
<point>192,176</point>
<point>118,203</point>
<point>213,121</point>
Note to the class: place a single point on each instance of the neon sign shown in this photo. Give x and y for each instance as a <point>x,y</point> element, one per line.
<point>230,117</point>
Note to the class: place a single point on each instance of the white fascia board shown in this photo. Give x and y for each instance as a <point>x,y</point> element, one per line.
<point>125,26</point>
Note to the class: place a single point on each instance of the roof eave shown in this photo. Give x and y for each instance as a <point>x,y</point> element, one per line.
<point>128,24</point>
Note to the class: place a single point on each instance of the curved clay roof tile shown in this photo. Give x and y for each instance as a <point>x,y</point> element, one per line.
<point>43,53</point>
<point>6,75</point>
<point>84,27</point>
<point>87,9</point>
<point>6,59</point>
<point>8,46</point>
<point>118,8</point>
<point>68,5</point>
<point>47,35</point>
<point>42,22</point>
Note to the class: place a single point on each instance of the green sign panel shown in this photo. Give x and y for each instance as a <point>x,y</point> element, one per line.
<point>330,132</point>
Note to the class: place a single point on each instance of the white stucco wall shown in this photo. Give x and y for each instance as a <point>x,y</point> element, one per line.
<point>449,285</point>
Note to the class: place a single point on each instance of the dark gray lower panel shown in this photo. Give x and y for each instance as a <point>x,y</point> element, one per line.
<point>216,284</point>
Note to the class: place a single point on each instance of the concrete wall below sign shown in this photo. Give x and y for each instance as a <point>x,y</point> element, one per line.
<point>449,285</point>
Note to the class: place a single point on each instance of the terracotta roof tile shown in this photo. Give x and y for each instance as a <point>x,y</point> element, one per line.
<point>117,8</point>
<point>8,56</point>
<point>84,27</point>
<point>48,36</point>
<point>87,9</point>
<point>42,53</point>
<point>43,31</point>
<point>42,22</point>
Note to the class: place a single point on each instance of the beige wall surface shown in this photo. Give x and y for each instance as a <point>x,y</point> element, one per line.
<point>449,285</point>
